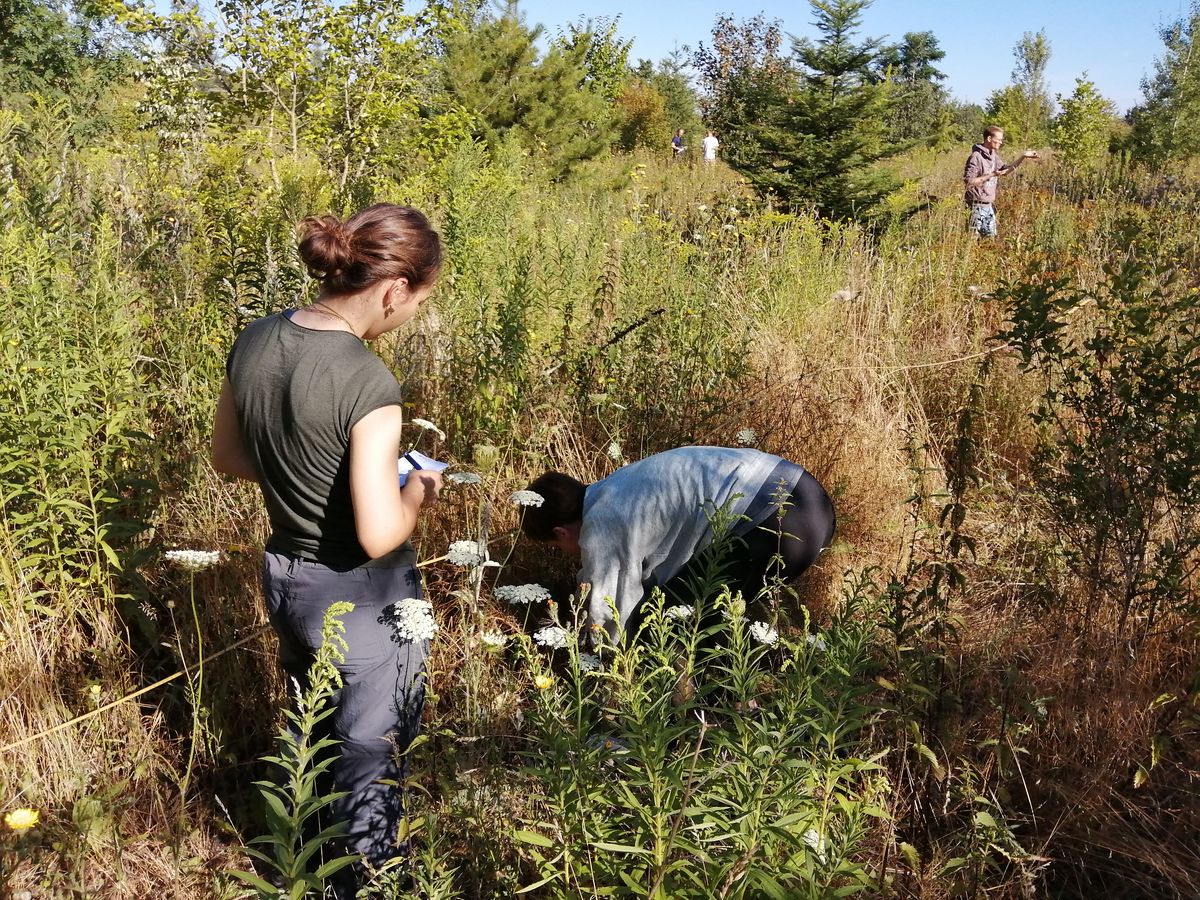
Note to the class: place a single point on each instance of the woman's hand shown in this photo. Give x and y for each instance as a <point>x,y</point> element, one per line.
<point>427,485</point>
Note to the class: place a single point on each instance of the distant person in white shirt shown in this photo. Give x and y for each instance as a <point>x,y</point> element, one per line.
<point>710,145</point>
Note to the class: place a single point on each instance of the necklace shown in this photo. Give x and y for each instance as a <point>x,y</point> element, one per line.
<point>319,306</point>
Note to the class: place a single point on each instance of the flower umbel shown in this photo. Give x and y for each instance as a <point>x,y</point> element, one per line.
<point>465,553</point>
<point>522,593</point>
<point>588,662</point>
<point>21,819</point>
<point>764,633</point>
<point>746,437</point>
<point>676,613</point>
<point>552,637</point>
<point>527,498</point>
<point>412,619</point>
<point>429,426</point>
<point>193,560</point>
<point>493,640</point>
<point>464,478</point>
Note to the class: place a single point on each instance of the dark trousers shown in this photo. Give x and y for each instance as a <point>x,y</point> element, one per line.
<point>380,702</point>
<point>778,550</point>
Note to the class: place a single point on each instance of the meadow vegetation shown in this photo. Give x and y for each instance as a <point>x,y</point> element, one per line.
<point>988,686</point>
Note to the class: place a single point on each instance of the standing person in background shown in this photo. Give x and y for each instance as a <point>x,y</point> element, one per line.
<point>983,167</point>
<point>710,145</point>
<point>648,524</point>
<point>314,417</point>
<point>677,145</point>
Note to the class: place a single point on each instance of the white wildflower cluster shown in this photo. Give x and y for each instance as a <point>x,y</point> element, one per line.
<point>493,640</point>
<point>412,619</point>
<point>746,437</point>
<point>465,553</point>
<point>464,478</point>
<point>522,593</point>
<point>589,662</point>
<point>552,637</point>
<point>815,640</point>
<point>614,451</point>
<point>193,560</point>
<point>527,498</point>
<point>764,633</point>
<point>676,613</point>
<point>429,426</point>
<point>813,838</point>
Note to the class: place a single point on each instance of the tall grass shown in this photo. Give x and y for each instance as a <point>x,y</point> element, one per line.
<point>964,731</point>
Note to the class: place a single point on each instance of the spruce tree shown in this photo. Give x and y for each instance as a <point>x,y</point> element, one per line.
<point>494,70</point>
<point>817,144</point>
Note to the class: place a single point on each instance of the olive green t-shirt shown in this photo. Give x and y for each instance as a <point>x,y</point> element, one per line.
<point>298,392</point>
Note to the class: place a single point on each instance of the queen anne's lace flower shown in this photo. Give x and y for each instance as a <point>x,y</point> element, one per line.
<point>614,451</point>
<point>764,633</point>
<point>465,553</point>
<point>493,640</point>
<point>552,637</point>
<point>527,498</point>
<point>464,478</point>
<point>675,613</point>
<point>193,560</point>
<point>588,662</point>
<point>412,619</point>
<point>429,426</point>
<point>522,593</point>
<point>746,437</point>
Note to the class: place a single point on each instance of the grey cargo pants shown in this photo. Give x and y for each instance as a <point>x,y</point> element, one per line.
<point>380,702</point>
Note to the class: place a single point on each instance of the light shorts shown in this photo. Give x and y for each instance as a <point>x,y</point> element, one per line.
<point>983,219</point>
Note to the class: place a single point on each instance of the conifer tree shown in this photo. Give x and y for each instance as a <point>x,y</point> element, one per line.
<point>493,69</point>
<point>818,143</point>
<point>917,110</point>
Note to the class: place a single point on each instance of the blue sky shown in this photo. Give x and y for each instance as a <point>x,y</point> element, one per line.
<point>1114,41</point>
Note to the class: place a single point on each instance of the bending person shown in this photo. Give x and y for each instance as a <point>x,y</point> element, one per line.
<point>313,416</point>
<point>647,525</point>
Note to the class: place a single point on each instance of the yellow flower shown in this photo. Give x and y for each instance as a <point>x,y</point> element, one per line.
<point>21,819</point>
<point>541,682</point>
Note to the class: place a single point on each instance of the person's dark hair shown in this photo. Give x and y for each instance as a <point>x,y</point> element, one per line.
<point>562,504</point>
<point>992,129</point>
<point>381,241</point>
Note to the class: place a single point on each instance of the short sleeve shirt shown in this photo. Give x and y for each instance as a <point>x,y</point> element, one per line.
<point>298,393</point>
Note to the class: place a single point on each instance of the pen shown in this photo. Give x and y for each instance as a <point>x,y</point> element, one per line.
<point>411,461</point>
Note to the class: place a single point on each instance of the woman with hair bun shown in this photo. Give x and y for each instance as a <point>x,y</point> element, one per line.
<point>314,417</point>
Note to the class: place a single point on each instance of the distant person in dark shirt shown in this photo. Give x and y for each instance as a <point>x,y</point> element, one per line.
<point>677,145</point>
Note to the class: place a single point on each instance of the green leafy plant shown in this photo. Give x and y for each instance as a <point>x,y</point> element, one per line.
<point>293,801</point>
<point>1119,419</point>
